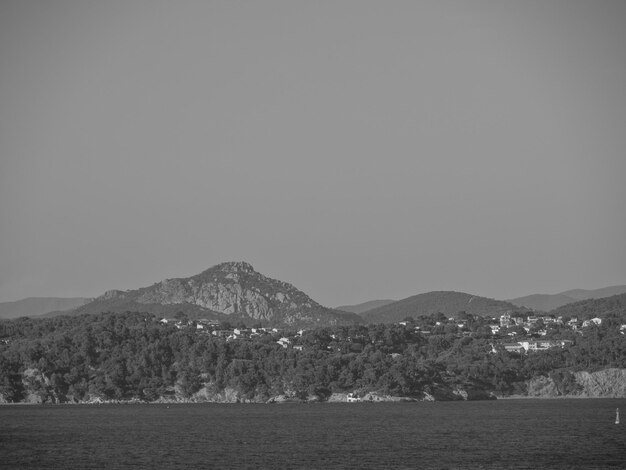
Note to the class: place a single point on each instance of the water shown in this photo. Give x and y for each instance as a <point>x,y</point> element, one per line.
<point>518,434</point>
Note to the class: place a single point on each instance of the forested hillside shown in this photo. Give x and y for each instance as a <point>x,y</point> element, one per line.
<point>129,356</point>
<point>614,306</point>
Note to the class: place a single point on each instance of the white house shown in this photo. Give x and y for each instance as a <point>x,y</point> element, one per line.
<point>593,321</point>
<point>543,344</point>
<point>513,347</point>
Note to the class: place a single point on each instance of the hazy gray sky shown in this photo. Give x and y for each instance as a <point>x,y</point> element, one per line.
<point>356,149</point>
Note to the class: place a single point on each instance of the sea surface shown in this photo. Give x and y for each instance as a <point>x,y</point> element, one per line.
<point>504,434</point>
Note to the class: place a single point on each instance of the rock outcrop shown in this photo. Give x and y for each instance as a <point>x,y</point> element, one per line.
<point>608,383</point>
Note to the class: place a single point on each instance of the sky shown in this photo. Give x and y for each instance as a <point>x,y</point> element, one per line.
<point>357,149</point>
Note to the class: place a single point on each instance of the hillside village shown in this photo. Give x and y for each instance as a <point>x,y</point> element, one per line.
<point>512,332</point>
<point>140,356</point>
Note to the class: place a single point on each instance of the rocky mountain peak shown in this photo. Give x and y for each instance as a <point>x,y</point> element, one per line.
<point>232,288</point>
<point>235,267</point>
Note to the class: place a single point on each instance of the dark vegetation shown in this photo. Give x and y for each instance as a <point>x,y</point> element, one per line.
<point>613,306</point>
<point>126,356</point>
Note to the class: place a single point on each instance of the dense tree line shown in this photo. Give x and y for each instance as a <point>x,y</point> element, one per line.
<point>134,356</point>
<point>610,307</point>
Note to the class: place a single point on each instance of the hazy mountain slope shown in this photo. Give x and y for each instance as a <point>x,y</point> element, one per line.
<point>34,306</point>
<point>582,294</point>
<point>229,290</point>
<point>547,302</point>
<point>544,302</point>
<point>365,306</point>
<point>590,308</point>
<point>446,302</point>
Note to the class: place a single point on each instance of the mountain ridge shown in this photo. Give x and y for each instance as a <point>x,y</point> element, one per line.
<point>547,302</point>
<point>35,306</point>
<point>175,295</point>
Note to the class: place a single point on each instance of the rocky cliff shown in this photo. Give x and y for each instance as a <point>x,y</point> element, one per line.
<point>608,383</point>
<point>228,290</point>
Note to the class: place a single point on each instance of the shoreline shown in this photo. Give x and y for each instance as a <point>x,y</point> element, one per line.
<point>302,402</point>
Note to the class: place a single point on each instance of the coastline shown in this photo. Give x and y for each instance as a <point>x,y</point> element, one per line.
<point>272,401</point>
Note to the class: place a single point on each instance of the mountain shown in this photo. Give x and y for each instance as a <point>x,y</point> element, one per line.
<point>34,306</point>
<point>233,291</point>
<point>604,307</point>
<point>446,302</point>
<point>547,302</point>
<point>365,306</point>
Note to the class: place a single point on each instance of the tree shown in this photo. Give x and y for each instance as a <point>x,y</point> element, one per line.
<point>181,316</point>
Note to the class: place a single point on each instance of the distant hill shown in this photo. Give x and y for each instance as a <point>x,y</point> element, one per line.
<point>582,294</point>
<point>365,306</point>
<point>547,302</point>
<point>543,302</point>
<point>35,306</point>
<point>233,291</point>
<point>590,308</point>
<point>446,302</point>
